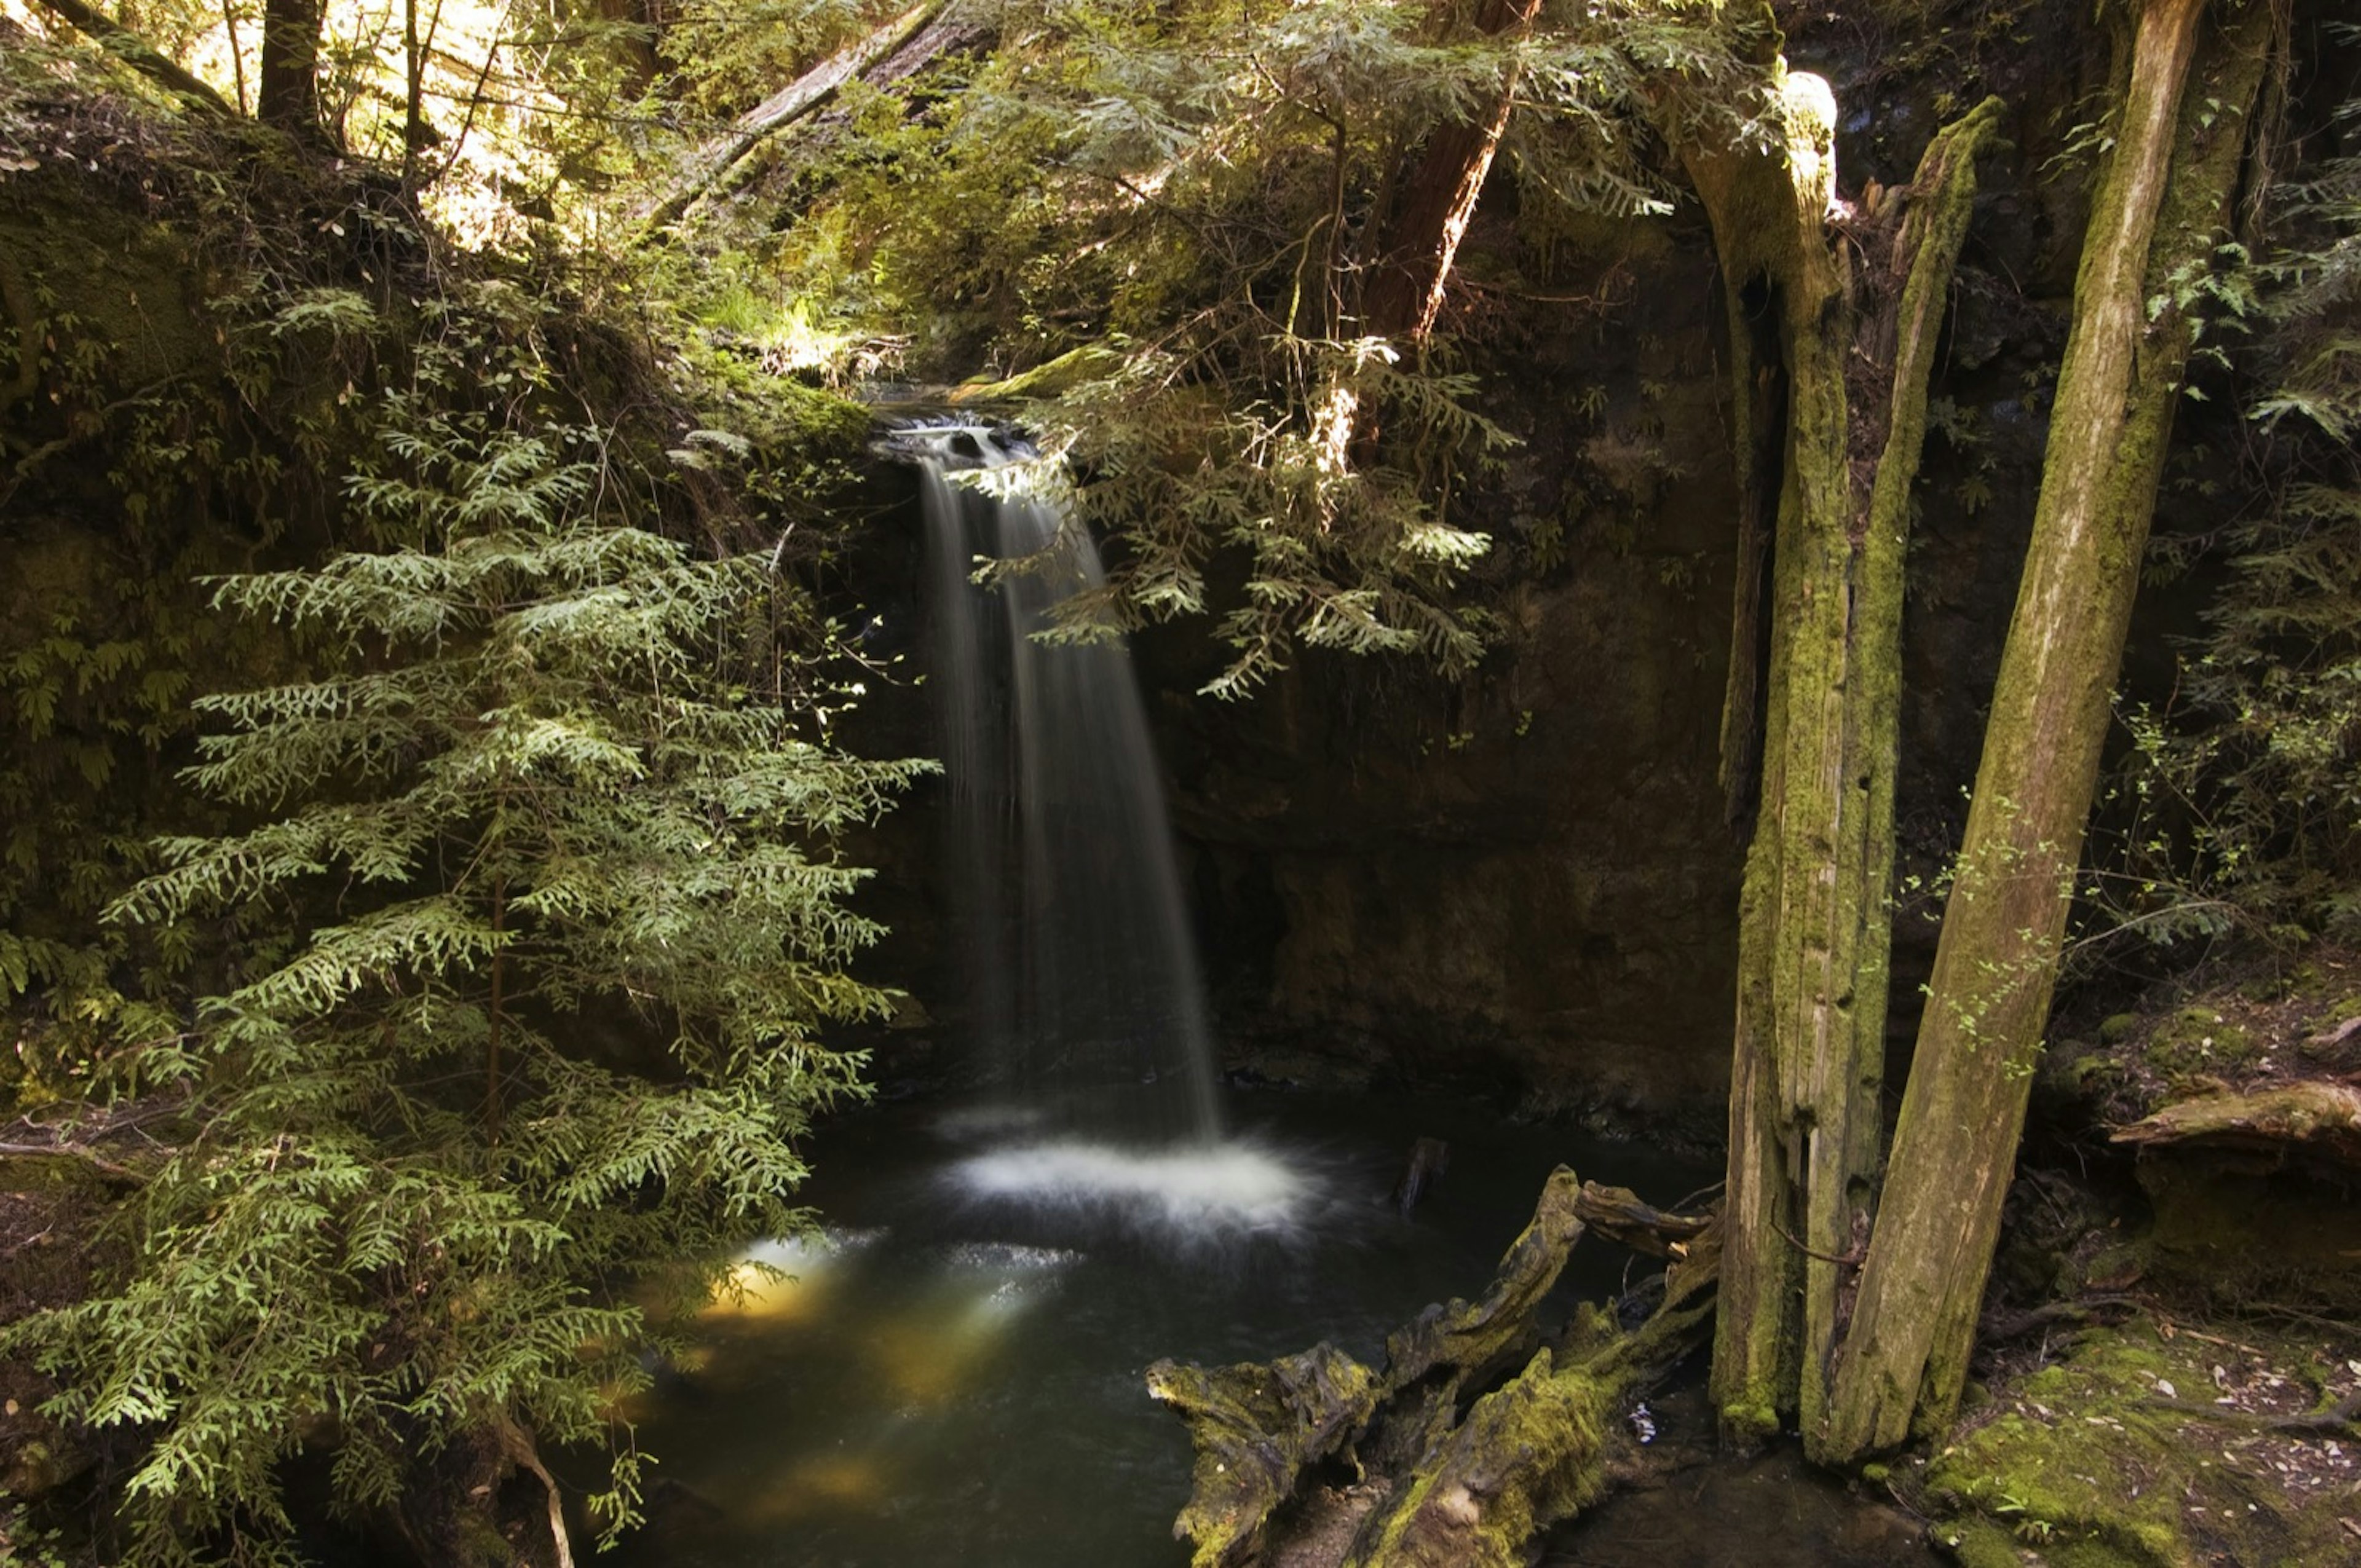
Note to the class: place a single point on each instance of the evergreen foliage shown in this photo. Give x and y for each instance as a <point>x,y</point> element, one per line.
<point>1181,208</point>
<point>512,881</point>
<point>543,775</point>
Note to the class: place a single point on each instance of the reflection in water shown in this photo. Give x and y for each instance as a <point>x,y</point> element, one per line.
<point>782,1279</point>
<point>958,1381</point>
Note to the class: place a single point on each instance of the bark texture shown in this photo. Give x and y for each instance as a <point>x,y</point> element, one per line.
<point>1427,226</point>
<point>1855,348</point>
<point>1420,241</point>
<point>2161,202</point>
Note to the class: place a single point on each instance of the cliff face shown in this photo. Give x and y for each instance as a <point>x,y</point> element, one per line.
<point>1524,873</point>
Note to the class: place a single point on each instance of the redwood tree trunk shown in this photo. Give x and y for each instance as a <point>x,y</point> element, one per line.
<point>1423,232</point>
<point>2160,205</point>
<point>288,95</point>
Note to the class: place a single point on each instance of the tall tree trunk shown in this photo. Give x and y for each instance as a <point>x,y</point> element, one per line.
<point>1855,349</point>
<point>1421,237</point>
<point>2160,204</point>
<point>288,95</point>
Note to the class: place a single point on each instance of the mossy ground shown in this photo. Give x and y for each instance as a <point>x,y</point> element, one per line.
<point>2267,1022</point>
<point>2158,1322</point>
<point>2151,1444</point>
<point>2235,1225</point>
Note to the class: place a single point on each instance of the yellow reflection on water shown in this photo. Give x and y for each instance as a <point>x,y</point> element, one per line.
<point>818,1483</point>
<point>927,1354</point>
<point>776,1282</point>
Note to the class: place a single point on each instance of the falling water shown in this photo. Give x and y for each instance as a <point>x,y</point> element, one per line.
<point>1082,977</point>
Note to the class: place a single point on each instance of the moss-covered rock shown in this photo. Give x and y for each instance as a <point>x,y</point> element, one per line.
<point>2200,1039</point>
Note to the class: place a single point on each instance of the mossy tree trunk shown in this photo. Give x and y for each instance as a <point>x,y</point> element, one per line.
<point>1854,346</point>
<point>2160,208</point>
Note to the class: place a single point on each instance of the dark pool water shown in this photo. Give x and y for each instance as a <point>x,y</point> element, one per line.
<point>955,1380</point>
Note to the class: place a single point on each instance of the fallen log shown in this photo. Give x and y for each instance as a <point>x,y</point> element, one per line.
<point>1259,1429</point>
<point>881,54</point>
<point>1438,1478</point>
<point>2311,1117</point>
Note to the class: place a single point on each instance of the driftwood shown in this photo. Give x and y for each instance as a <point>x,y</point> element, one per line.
<point>2310,1117</point>
<point>1441,1477</point>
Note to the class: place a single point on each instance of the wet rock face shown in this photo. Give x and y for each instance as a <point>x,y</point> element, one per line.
<point>1525,874</point>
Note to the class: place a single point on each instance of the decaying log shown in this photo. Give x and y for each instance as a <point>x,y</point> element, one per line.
<point>1617,1213</point>
<point>2311,1117</point>
<point>1461,1337</point>
<point>139,55</point>
<point>1446,1482</point>
<point>1258,1430</point>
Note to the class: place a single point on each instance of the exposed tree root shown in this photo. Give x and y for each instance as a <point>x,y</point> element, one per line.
<point>518,1444</point>
<point>1450,1481</point>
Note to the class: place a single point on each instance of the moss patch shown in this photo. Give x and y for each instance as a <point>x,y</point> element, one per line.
<point>2267,1021</point>
<point>2202,1039</point>
<point>2150,1444</point>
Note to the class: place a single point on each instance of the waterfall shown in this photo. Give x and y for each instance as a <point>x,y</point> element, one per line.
<point>1082,978</point>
